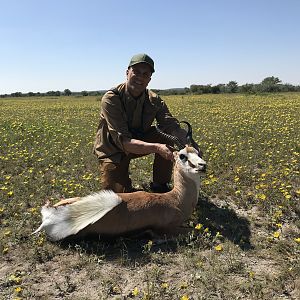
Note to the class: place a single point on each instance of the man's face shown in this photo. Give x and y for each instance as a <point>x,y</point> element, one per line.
<point>138,77</point>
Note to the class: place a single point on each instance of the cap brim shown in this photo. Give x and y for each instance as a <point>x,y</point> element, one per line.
<point>140,62</point>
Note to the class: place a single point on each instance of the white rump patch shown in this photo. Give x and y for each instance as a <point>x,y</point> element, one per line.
<point>62,221</point>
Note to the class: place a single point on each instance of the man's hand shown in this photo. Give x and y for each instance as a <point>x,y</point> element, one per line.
<point>164,151</point>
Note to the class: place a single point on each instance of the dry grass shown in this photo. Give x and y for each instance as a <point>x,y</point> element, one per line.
<point>246,238</point>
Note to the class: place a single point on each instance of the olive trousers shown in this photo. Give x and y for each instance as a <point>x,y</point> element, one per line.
<point>115,176</point>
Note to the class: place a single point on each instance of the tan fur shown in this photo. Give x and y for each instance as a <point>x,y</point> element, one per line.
<point>159,212</point>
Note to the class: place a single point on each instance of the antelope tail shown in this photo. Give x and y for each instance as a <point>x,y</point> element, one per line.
<point>62,221</point>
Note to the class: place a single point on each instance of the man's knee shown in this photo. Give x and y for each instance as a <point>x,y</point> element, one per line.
<point>115,177</point>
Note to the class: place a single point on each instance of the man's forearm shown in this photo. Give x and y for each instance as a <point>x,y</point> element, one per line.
<point>139,147</point>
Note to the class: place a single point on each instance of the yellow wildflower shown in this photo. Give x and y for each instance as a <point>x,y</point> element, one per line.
<point>135,292</point>
<point>198,226</point>
<point>40,241</point>
<point>15,279</point>
<point>185,297</point>
<point>276,234</point>
<point>251,274</point>
<point>33,210</point>
<point>262,197</point>
<point>18,289</point>
<point>219,247</point>
<point>297,240</point>
<point>287,196</point>
<point>164,285</point>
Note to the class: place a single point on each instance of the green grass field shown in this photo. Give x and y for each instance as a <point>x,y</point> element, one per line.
<point>246,238</point>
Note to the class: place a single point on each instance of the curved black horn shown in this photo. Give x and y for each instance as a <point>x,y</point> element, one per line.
<point>189,135</point>
<point>171,138</point>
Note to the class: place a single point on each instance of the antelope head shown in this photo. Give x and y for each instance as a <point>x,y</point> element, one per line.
<point>189,160</point>
<point>188,157</point>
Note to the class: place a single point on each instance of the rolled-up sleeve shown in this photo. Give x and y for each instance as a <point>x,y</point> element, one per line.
<point>115,117</point>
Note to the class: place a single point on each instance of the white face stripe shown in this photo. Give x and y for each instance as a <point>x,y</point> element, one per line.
<point>195,159</point>
<point>191,161</point>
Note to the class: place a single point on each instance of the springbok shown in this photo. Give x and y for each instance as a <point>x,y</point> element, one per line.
<point>110,214</point>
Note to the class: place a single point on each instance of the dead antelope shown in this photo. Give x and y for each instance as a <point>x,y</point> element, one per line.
<point>108,213</point>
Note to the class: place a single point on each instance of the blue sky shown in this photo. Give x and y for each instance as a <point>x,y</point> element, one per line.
<point>86,45</point>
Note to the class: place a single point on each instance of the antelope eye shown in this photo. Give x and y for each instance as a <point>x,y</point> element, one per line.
<point>182,157</point>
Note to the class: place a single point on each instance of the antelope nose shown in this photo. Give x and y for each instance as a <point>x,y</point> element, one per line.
<point>202,167</point>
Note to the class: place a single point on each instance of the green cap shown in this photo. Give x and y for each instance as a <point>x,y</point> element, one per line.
<point>142,58</point>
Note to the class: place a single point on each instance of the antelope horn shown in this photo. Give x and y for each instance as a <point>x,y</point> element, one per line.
<point>171,138</point>
<point>175,140</point>
<point>189,134</point>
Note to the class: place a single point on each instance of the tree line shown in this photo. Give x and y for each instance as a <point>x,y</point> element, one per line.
<point>66,92</point>
<point>268,85</point>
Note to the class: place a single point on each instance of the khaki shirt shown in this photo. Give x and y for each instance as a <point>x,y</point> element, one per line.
<point>121,115</point>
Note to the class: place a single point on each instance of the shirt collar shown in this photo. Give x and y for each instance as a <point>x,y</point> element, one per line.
<point>131,98</point>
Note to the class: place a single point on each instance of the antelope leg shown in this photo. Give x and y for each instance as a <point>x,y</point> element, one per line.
<point>66,201</point>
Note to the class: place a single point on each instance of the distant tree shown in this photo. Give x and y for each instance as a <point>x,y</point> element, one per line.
<point>271,80</point>
<point>30,94</point>
<point>246,88</point>
<point>232,87</point>
<point>194,88</point>
<point>205,89</point>
<point>222,87</point>
<point>16,94</point>
<point>186,90</point>
<point>270,84</point>
<point>50,93</point>
<point>216,89</point>
<point>67,92</point>
<point>84,93</point>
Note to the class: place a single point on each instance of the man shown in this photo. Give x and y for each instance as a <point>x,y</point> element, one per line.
<point>125,130</point>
